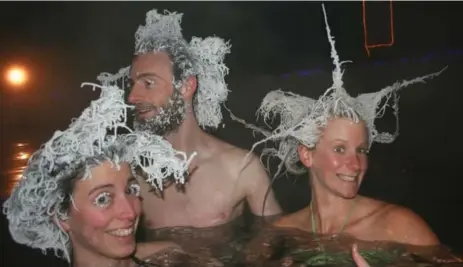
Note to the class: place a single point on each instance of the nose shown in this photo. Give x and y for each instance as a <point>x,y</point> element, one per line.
<point>354,162</point>
<point>135,94</point>
<point>127,208</point>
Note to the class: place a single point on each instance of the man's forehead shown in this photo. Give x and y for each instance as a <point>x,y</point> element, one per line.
<point>158,57</point>
<point>153,64</point>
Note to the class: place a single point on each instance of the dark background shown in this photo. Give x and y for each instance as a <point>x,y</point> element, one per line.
<point>67,43</point>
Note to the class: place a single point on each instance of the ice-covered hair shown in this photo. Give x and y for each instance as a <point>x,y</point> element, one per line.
<point>43,193</point>
<point>302,119</point>
<point>202,58</point>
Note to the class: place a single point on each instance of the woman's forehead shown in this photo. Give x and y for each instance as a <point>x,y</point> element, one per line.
<point>344,128</point>
<point>106,173</point>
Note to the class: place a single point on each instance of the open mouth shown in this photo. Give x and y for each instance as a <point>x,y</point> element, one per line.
<point>122,232</point>
<point>347,178</point>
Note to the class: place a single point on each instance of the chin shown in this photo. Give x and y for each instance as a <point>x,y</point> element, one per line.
<point>348,192</point>
<point>349,195</point>
<point>122,252</point>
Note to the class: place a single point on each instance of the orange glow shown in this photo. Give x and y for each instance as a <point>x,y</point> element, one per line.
<point>22,156</point>
<point>391,21</point>
<point>21,144</point>
<point>16,76</point>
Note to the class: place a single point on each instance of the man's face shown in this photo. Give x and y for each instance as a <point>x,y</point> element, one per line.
<point>159,107</point>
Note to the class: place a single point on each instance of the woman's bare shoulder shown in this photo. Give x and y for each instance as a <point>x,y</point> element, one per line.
<point>401,224</point>
<point>298,219</point>
<point>408,227</point>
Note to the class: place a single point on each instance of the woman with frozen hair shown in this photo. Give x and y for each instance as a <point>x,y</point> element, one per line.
<point>78,195</point>
<point>330,138</point>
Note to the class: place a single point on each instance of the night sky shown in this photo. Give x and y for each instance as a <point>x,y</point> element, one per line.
<point>67,43</point>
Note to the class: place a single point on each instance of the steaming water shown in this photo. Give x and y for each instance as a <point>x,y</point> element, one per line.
<point>231,244</point>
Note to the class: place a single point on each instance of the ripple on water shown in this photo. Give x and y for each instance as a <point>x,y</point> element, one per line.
<point>15,163</point>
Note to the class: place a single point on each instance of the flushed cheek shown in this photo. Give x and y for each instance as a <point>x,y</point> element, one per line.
<point>330,162</point>
<point>97,220</point>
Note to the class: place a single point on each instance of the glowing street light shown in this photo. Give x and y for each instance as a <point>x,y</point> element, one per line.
<point>16,76</point>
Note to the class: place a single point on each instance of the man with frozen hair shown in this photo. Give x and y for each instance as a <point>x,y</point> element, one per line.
<point>177,89</point>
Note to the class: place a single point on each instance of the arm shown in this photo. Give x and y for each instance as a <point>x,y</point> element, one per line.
<point>256,183</point>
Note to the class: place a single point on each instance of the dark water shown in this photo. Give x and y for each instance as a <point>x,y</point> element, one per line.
<point>15,162</point>
<point>297,245</point>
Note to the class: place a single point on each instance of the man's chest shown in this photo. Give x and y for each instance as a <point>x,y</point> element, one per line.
<point>203,201</point>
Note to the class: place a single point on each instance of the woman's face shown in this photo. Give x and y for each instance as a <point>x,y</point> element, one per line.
<point>104,214</point>
<point>339,161</point>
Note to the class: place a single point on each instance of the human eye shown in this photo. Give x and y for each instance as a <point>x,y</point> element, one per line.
<point>339,149</point>
<point>149,83</point>
<point>133,189</point>
<point>129,83</point>
<point>103,200</point>
<point>362,150</point>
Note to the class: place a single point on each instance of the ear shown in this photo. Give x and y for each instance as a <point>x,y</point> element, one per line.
<point>62,223</point>
<point>305,155</point>
<point>189,87</point>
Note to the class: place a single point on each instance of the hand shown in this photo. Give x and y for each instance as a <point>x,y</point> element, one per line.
<point>358,259</point>
<point>286,262</point>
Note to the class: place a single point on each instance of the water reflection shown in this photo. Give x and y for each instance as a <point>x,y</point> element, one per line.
<point>16,161</point>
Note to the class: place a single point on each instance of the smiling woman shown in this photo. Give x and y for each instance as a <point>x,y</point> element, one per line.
<point>77,196</point>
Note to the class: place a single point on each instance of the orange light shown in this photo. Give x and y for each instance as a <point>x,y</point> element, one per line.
<point>391,21</point>
<point>16,76</point>
<point>22,156</point>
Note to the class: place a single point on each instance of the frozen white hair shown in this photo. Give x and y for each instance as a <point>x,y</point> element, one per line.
<point>202,58</point>
<point>302,119</point>
<point>37,201</point>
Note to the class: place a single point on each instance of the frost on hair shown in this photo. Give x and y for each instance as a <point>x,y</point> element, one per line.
<point>201,58</point>
<point>157,158</point>
<point>302,119</point>
<point>42,195</point>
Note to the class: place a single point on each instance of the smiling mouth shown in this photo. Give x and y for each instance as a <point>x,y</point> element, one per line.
<point>122,232</point>
<point>347,178</point>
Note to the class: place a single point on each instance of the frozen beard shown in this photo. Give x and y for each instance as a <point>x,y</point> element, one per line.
<point>166,120</point>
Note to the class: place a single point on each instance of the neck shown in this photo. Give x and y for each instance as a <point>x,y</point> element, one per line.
<point>188,136</point>
<point>331,212</point>
<point>84,258</point>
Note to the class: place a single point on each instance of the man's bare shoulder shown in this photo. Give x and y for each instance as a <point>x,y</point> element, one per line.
<point>408,227</point>
<point>232,156</point>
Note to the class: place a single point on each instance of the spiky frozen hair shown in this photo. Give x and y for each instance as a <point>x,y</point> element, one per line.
<point>71,154</point>
<point>202,58</point>
<point>302,119</point>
